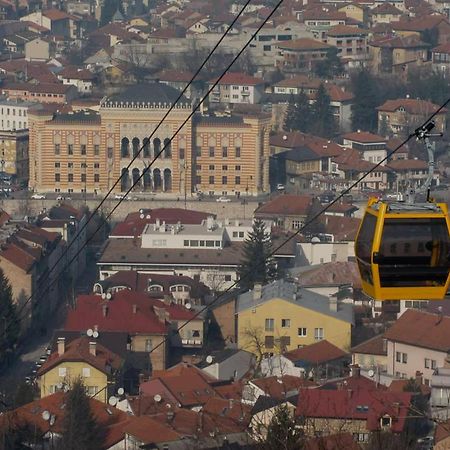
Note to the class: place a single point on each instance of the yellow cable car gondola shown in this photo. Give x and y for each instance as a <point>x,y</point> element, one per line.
<point>403,250</point>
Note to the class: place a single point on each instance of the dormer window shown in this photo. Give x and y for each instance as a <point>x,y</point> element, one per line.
<point>401,109</point>
<point>155,288</point>
<point>386,421</point>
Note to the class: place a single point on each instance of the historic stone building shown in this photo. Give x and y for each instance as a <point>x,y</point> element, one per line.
<point>88,151</point>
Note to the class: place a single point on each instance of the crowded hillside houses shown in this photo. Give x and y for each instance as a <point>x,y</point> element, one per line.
<point>157,301</point>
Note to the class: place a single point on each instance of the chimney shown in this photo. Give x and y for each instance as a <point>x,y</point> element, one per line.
<point>105,310</point>
<point>170,415</point>
<point>419,377</point>
<point>355,370</point>
<point>333,303</point>
<point>61,346</point>
<point>134,309</point>
<point>161,313</point>
<point>257,291</point>
<point>93,348</point>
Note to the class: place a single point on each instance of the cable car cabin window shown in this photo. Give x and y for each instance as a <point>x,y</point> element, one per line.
<point>413,253</point>
<point>364,247</point>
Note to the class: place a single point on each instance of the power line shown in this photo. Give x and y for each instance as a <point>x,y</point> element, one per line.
<point>63,255</point>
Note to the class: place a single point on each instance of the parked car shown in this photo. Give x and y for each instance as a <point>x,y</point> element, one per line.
<point>38,196</point>
<point>280,187</point>
<point>223,199</point>
<point>119,196</point>
<point>63,197</point>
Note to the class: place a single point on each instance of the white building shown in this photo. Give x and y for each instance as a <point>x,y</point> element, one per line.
<point>14,114</point>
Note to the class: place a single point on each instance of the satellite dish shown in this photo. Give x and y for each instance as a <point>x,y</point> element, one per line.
<point>108,296</point>
<point>141,211</point>
<point>188,306</point>
<point>103,296</point>
<point>371,373</point>
<point>168,405</point>
<point>59,385</point>
<point>45,415</point>
<point>148,216</point>
<point>157,398</point>
<point>209,359</point>
<point>66,387</point>
<point>141,216</point>
<point>95,334</point>
<point>121,391</point>
<point>90,332</point>
<point>113,400</point>
<point>315,240</point>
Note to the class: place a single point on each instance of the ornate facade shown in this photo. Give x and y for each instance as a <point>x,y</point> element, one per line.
<point>87,151</point>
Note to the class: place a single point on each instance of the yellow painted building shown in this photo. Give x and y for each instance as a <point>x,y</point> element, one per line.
<point>281,316</point>
<point>95,365</point>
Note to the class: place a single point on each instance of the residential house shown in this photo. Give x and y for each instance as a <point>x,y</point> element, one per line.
<point>83,358</point>
<point>39,49</point>
<point>220,313</point>
<point>371,355</point>
<point>57,21</point>
<point>14,146</point>
<point>50,426</point>
<point>395,54</point>
<point>7,11</point>
<point>371,146</point>
<point>320,360</point>
<point>385,13</point>
<point>440,59</point>
<point>320,19</point>
<point>359,412</point>
<point>358,12</point>
<point>230,363</point>
<point>409,173</point>
<point>301,55</point>
<point>403,115</point>
<point>145,321</point>
<point>83,79</point>
<point>418,340</point>
<point>40,93</point>
<point>15,43</point>
<point>351,43</point>
<point>281,316</point>
<point>235,87</point>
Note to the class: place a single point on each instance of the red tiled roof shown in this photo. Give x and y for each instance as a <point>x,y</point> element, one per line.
<point>317,353</point>
<point>386,8</point>
<point>78,350</point>
<point>400,385</point>
<point>345,30</point>
<point>419,24</point>
<point>303,44</point>
<point>407,164</point>
<point>48,88</point>
<point>149,431</point>
<point>343,404</point>
<point>230,409</point>
<point>56,14</point>
<point>238,78</point>
<point>89,312</point>
<point>277,387</point>
<point>134,223</point>
<point>412,106</point>
<point>373,346</point>
<point>332,442</point>
<point>4,217</point>
<point>342,272</point>
<point>442,431</point>
<point>175,76</point>
<point>110,419</point>
<point>342,228</point>
<point>412,41</point>
<point>76,73</point>
<point>443,48</point>
<point>286,205</point>
<point>15,254</point>
<point>421,329</point>
<point>364,137</point>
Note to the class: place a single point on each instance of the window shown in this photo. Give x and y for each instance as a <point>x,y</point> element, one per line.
<point>224,152</point>
<point>70,149</point>
<point>270,323</point>
<point>224,180</point>
<point>238,152</point>
<point>404,358</point>
<point>57,177</point>
<point>57,149</point>
<point>96,165</point>
<point>318,334</point>
<point>302,332</point>
<point>433,364</point>
<point>211,167</point>
<point>211,152</point>
<point>148,345</point>
<point>268,341</point>
<point>83,149</point>
<point>198,151</point>
<point>182,152</point>
<point>237,168</point>
<point>62,371</point>
<point>227,277</point>
<point>70,177</point>
<point>92,390</point>
<point>211,180</point>
<point>96,178</point>
<point>83,178</point>
<point>70,165</point>
<point>86,372</point>
<point>224,167</point>
<point>96,150</point>
<point>285,323</point>
<point>57,165</point>
<point>110,152</point>
<point>398,356</point>
<point>297,224</point>
<point>237,180</point>
<point>385,421</point>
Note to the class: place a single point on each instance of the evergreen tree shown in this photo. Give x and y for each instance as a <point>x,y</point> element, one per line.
<point>302,113</point>
<point>289,118</point>
<point>257,266</point>
<point>383,127</point>
<point>10,326</point>
<point>109,9</point>
<point>24,394</point>
<point>282,432</point>
<point>80,430</point>
<point>331,66</point>
<point>364,113</point>
<point>324,124</point>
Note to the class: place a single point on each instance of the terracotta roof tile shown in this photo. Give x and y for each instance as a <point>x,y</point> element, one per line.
<point>149,431</point>
<point>343,272</point>
<point>400,385</point>
<point>412,106</point>
<point>345,30</point>
<point>421,329</point>
<point>386,8</point>
<point>277,387</point>
<point>407,164</point>
<point>238,78</point>
<point>364,137</point>
<point>286,205</point>
<point>303,44</point>
<point>420,23</point>
<point>317,353</point>
<point>373,346</point>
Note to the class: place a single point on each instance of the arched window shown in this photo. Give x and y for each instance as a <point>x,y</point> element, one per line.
<point>146,149</point>
<point>135,144</point>
<point>167,148</point>
<point>125,148</point>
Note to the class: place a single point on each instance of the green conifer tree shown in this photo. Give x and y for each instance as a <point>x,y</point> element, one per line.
<point>365,101</point>
<point>289,118</point>
<point>303,113</point>
<point>282,432</point>
<point>257,266</point>
<point>324,124</point>
<point>10,324</point>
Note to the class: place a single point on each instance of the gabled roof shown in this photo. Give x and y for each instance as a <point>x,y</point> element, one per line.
<point>400,42</point>
<point>386,8</point>
<point>77,351</point>
<point>373,346</point>
<point>421,329</point>
<point>333,273</point>
<point>119,316</point>
<point>149,431</point>
<point>72,72</point>
<point>303,44</point>
<point>364,137</point>
<point>317,353</point>
<point>443,48</point>
<point>345,30</point>
<point>238,78</point>
<point>342,228</point>
<point>280,387</point>
<point>407,164</point>
<point>57,14</point>
<point>420,24</point>
<point>412,106</point>
<point>286,205</point>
